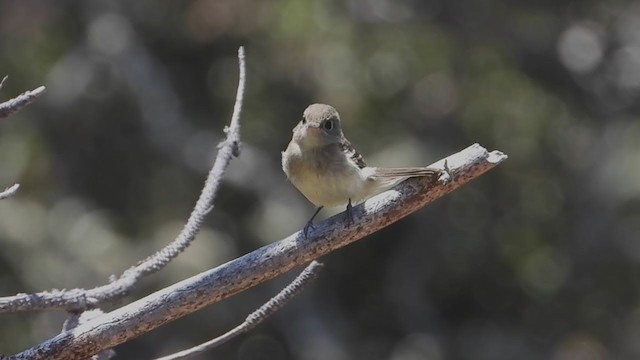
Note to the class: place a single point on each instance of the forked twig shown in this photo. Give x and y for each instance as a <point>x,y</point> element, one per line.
<point>9,192</point>
<point>255,318</point>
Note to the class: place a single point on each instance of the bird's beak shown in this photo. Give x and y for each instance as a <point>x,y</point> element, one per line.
<point>313,128</point>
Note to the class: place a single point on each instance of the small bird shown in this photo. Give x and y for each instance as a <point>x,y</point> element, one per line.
<point>323,165</point>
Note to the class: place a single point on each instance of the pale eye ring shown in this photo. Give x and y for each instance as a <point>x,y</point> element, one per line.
<point>328,125</point>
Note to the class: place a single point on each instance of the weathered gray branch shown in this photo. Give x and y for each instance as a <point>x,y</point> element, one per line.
<point>212,286</point>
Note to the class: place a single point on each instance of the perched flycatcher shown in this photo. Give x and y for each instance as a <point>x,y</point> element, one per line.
<point>323,165</point>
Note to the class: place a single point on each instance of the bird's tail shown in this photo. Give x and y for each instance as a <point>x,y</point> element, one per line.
<point>406,172</point>
<point>386,178</point>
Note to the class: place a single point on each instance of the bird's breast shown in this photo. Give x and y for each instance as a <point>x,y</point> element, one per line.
<point>324,175</point>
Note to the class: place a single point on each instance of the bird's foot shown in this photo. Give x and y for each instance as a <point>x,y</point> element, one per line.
<point>309,224</point>
<point>349,213</point>
<point>445,174</point>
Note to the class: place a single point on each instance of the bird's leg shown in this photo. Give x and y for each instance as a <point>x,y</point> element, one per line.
<point>349,213</point>
<point>309,224</point>
<point>447,171</point>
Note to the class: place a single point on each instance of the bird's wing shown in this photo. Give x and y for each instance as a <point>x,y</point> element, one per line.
<point>352,154</point>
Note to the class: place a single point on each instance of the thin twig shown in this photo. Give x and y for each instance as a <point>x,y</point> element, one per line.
<point>226,280</point>
<point>79,299</point>
<point>9,192</point>
<point>3,80</point>
<point>11,106</point>
<point>255,318</point>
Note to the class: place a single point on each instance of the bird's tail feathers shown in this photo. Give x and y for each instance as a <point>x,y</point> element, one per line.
<point>406,172</point>
<point>386,178</point>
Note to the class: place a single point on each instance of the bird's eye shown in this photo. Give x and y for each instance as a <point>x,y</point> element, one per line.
<point>328,125</point>
<point>304,120</point>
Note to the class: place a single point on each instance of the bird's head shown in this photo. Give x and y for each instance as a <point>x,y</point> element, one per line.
<point>320,126</point>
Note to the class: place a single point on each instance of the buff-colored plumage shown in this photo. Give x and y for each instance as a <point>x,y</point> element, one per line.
<point>321,163</point>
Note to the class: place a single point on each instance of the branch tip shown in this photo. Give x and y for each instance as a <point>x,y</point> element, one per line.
<point>10,191</point>
<point>241,53</point>
<point>497,156</point>
<point>13,105</point>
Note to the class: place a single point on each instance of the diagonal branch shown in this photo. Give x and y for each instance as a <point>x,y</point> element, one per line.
<point>262,264</point>
<point>79,299</point>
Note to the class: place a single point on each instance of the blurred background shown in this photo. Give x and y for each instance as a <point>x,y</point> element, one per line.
<point>538,259</point>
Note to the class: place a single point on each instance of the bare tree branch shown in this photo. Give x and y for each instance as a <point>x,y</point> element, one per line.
<point>9,192</point>
<point>80,299</point>
<point>11,106</point>
<point>255,318</point>
<point>212,286</point>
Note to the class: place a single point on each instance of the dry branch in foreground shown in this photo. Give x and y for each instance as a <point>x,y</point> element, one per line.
<point>190,295</point>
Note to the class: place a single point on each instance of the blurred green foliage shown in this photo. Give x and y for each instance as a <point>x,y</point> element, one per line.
<point>536,260</point>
